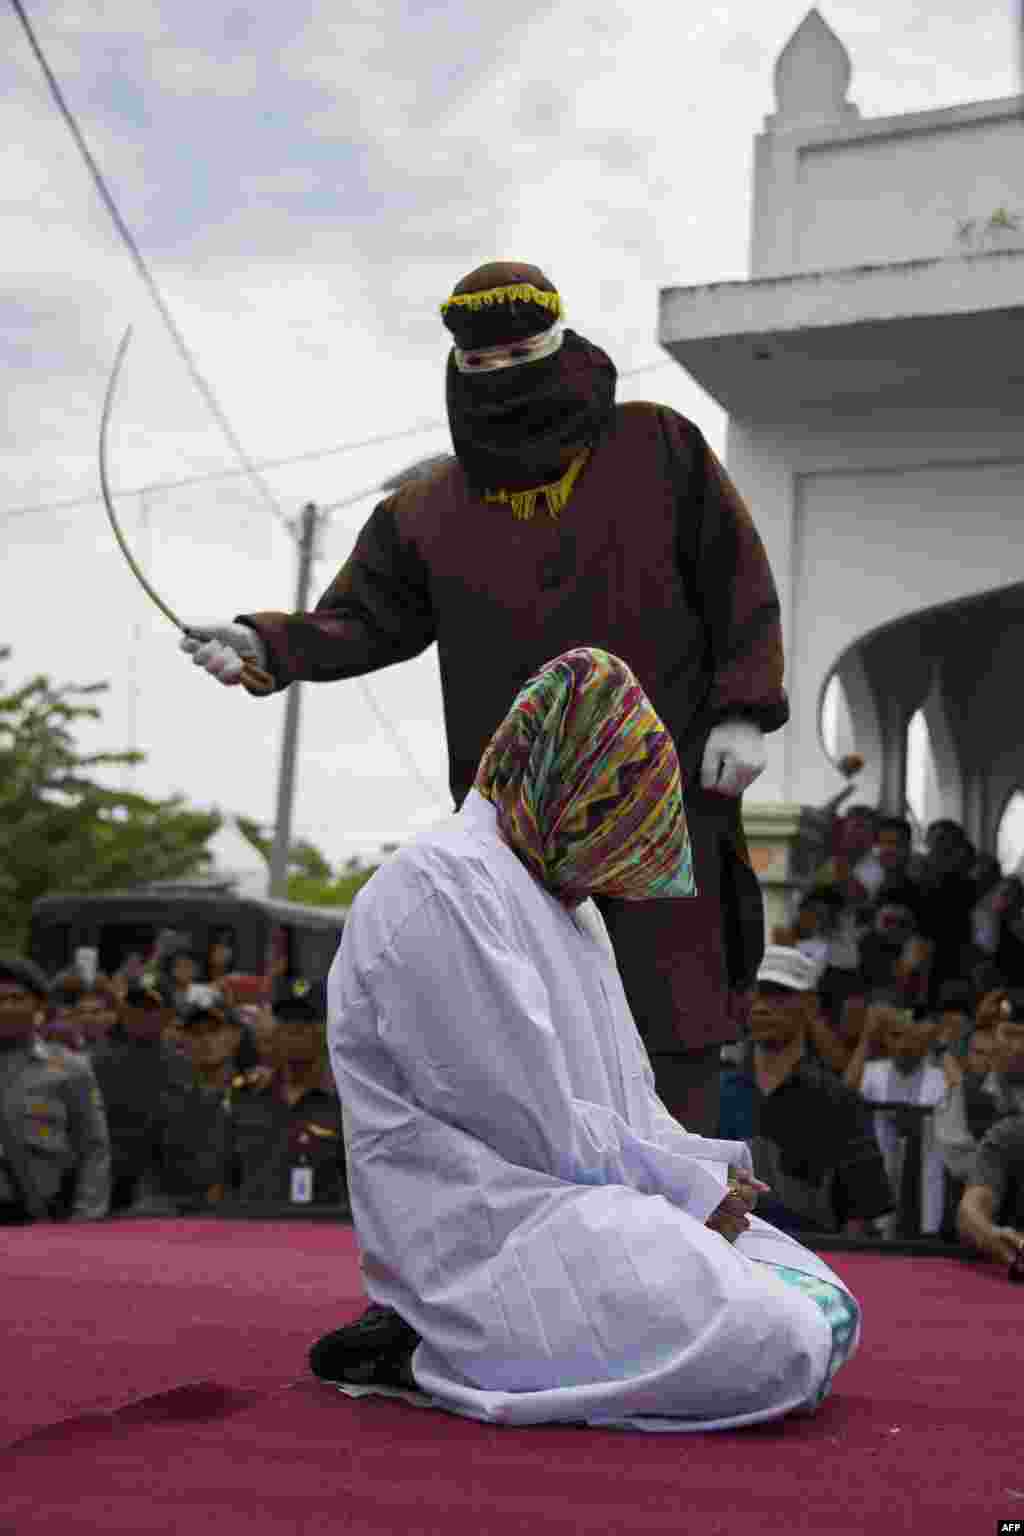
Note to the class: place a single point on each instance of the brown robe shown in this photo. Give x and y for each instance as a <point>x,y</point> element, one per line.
<point>656,559</point>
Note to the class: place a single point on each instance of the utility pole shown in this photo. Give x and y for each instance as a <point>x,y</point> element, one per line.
<point>290,739</point>
<point>312,516</point>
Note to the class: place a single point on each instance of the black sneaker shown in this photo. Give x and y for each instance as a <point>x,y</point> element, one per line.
<point>375,1350</point>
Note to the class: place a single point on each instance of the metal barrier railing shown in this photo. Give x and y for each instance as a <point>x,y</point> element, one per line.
<point>909,1122</point>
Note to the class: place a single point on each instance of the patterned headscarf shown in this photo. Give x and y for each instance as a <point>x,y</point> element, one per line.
<point>587,785</point>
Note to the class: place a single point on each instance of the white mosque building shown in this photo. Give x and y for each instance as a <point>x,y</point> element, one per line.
<point>872,368</point>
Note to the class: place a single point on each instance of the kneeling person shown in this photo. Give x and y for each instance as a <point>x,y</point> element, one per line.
<point>551,1243</point>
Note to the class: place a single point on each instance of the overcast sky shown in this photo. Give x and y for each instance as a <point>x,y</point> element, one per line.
<point>307,183</point>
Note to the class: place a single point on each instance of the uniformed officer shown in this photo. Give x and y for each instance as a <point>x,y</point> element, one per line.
<point>218,1048</point>
<point>54,1143</point>
<point>153,1109</point>
<point>92,1006</point>
<point>287,1133</point>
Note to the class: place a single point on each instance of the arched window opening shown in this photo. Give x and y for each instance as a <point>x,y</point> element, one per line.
<point>836,720</point>
<point>922,781</point>
<point>1010,836</point>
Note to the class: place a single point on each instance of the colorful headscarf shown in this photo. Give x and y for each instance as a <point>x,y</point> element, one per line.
<point>587,786</point>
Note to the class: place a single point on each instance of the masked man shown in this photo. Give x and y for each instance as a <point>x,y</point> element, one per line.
<point>566,520</point>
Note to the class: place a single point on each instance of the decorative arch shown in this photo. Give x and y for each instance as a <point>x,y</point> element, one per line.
<point>1010,833</point>
<point>947,779</point>
<point>836,725</point>
<point>922,781</point>
<point>849,721</point>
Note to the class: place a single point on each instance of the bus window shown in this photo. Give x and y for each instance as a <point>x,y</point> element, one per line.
<point>220,955</point>
<point>50,947</point>
<point>279,952</point>
<point>315,949</point>
<point>125,945</point>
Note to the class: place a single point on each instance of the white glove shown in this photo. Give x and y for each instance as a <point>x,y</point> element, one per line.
<point>733,757</point>
<point>223,648</point>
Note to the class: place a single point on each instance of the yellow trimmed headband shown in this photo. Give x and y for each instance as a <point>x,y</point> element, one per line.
<point>510,293</point>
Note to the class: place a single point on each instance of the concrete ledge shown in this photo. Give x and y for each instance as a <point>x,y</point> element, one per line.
<point>964,283</point>
<point>884,333</point>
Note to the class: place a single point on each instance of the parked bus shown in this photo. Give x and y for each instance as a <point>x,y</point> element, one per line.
<point>268,937</point>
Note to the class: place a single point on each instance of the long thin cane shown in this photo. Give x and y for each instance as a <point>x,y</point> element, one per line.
<point>254,678</point>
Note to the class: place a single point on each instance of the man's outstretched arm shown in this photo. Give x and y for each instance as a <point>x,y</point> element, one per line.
<point>377,611</point>
<point>999,1156</point>
<point>976,1226</point>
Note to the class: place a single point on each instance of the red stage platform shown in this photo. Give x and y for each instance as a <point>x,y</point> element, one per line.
<point>155,1381</point>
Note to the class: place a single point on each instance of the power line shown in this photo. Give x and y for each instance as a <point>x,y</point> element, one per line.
<point>197,378</point>
<point>311,454</point>
<point>143,270</point>
<point>249,466</point>
<point>399,741</point>
<point>231,474</point>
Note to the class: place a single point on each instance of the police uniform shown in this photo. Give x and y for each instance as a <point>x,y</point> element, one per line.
<point>283,1152</point>
<point>157,1123</point>
<point>50,1095</point>
<point>272,1138</point>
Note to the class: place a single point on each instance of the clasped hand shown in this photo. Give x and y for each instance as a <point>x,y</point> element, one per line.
<point>733,1215</point>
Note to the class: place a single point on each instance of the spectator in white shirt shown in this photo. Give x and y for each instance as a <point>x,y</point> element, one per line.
<point>906,1076</point>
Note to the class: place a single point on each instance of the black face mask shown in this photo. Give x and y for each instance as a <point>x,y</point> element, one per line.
<point>518,427</point>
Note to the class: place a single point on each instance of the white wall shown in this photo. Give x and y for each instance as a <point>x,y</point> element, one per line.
<point>870,516</point>
<point>898,196</point>
<point>833,189</point>
<point>866,525</point>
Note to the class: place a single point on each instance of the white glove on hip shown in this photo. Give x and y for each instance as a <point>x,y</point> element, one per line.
<point>733,757</point>
<point>222,648</point>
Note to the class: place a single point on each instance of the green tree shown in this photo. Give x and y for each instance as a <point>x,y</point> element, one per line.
<point>310,877</point>
<point>62,831</point>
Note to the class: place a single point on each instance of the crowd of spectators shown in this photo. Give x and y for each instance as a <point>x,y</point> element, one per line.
<point>172,1086</point>
<point>887,1019</point>
<point>898,1016</point>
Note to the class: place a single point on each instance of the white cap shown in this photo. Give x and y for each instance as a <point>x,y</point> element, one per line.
<point>789,968</point>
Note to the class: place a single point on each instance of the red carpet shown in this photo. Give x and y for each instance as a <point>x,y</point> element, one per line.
<point>154,1380</point>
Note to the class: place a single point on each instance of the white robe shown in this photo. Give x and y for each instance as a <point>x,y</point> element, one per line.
<point>520,1194</point>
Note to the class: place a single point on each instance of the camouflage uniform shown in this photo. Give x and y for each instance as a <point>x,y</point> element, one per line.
<point>268,1138</point>
<point>52,1094</point>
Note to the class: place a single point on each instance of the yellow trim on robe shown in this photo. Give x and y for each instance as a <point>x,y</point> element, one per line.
<point>557,493</point>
